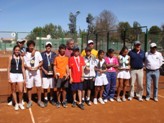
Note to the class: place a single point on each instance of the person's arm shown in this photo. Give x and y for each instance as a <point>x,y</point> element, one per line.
<point>45,71</point>
<point>9,67</point>
<point>161,59</point>
<point>23,69</point>
<point>67,72</point>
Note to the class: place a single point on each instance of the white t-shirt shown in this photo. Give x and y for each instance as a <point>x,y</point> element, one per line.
<point>153,61</point>
<point>91,63</point>
<point>28,57</point>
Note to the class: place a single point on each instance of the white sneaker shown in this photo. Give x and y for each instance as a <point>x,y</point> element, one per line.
<point>130,98</point>
<point>10,103</point>
<point>21,106</point>
<point>95,101</point>
<point>16,107</point>
<point>101,101</point>
<point>105,100</point>
<point>140,99</point>
<point>123,99</point>
<point>23,102</point>
<point>156,99</point>
<point>147,98</point>
<point>111,99</point>
<point>118,99</point>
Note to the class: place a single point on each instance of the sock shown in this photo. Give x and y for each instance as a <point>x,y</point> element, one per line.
<point>88,98</point>
<point>51,98</point>
<point>46,98</point>
<point>83,98</point>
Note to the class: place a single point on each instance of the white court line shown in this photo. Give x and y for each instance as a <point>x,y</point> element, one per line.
<point>32,116</point>
<point>3,69</point>
<point>161,96</point>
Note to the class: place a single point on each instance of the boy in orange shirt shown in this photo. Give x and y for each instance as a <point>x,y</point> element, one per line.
<point>76,66</point>
<point>61,71</point>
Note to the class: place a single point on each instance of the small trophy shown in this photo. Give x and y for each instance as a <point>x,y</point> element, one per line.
<point>32,63</point>
<point>50,71</point>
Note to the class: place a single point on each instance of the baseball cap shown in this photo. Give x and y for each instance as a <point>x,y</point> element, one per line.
<point>21,40</point>
<point>75,48</point>
<point>90,41</point>
<point>137,42</point>
<point>88,49</point>
<point>153,45</point>
<point>48,43</point>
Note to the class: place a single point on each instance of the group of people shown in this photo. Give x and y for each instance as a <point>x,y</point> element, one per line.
<point>81,76</point>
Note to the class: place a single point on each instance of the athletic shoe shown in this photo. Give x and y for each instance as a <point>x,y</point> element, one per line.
<point>95,101</point>
<point>58,105</point>
<point>29,104</point>
<point>130,98</point>
<point>45,102</point>
<point>140,99</point>
<point>118,99</point>
<point>41,104</point>
<point>74,104</point>
<point>147,98</point>
<point>52,102</point>
<point>123,99</point>
<point>81,106</point>
<point>88,102</point>
<point>101,101</point>
<point>16,107</point>
<point>65,104</point>
<point>23,102</point>
<point>111,99</point>
<point>21,106</point>
<point>10,103</point>
<point>156,99</point>
<point>105,100</point>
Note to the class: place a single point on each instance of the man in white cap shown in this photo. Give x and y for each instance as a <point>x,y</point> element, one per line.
<point>47,73</point>
<point>137,58</point>
<point>93,51</point>
<point>20,42</point>
<point>153,62</point>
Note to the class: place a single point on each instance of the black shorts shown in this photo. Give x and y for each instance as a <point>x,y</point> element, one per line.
<point>88,84</point>
<point>77,86</point>
<point>62,83</point>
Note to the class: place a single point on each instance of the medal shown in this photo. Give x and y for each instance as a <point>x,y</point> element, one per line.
<point>77,61</point>
<point>17,63</point>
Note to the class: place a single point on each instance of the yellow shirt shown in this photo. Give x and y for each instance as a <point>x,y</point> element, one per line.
<point>93,52</point>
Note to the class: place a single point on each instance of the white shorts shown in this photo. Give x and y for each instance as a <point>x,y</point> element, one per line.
<point>101,80</point>
<point>33,79</point>
<point>123,74</point>
<point>48,83</point>
<point>16,77</point>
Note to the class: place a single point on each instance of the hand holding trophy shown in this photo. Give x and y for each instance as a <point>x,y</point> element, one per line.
<point>32,63</point>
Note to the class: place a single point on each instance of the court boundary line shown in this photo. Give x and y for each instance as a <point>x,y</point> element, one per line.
<point>32,116</point>
<point>161,96</point>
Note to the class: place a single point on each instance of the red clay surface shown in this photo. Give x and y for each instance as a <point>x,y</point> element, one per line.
<point>113,112</point>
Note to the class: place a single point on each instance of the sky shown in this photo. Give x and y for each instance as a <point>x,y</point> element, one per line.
<point>24,15</point>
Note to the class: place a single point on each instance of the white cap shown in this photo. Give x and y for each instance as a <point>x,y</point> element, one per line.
<point>21,40</point>
<point>90,41</point>
<point>48,43</point>
<point>153,45</point>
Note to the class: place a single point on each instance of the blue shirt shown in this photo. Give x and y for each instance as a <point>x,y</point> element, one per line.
<point>136,59</point>
<point>45,62</point>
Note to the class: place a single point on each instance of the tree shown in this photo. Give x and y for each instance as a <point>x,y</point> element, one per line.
<point>136,30</point>
<point>155,30</point>
<point>105,21</point>
<point>122,27</point>
<point>89,20</point>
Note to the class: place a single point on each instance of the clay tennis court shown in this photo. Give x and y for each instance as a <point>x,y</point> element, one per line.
<point>113,112</point>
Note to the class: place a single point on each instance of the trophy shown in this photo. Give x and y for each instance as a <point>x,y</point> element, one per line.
<point>32,63</point>
<point>50,65</point>
<point>50,70</point>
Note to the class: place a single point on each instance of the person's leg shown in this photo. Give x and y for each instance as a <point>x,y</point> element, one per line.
<point>148,84</point>
<point>58,95</point>
<point>29,94</point>
<point>74,96</point>
<point>140,75</point>
<point>51,93</point>
<point>125,84</point>
<point>113,85</point>
<point>13,91</point>
<point>80,96</point>
<point>107,87</point>
<point>120,85</point>
<point>45,94</point>
<point>64,94</point>
<point>155,81</point>
<point>133,79</point>
<point>101,91</point>
<point>20,90</point>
